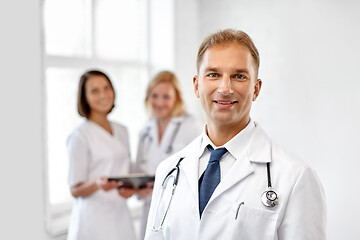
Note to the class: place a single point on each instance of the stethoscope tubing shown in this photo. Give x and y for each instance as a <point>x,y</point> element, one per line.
<point>169,147</point>
<point>163,185</point>
<point>268,174</point>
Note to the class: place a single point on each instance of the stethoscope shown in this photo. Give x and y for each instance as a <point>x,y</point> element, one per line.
<point>169,147</point>
<point>175,170</point>
<point>269,198</point>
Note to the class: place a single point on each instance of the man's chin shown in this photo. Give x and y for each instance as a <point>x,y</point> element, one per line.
<point>224,119</point>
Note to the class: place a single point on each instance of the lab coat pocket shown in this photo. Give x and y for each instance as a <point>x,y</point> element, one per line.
<point>246,222</point>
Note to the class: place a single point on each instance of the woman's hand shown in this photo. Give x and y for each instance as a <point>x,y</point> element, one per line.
<point>85,189</point>
<point>144,192</point>
<point>103,183</point>
<point>126,192</point>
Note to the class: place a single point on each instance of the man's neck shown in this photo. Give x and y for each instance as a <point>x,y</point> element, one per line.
<point>221,134</point>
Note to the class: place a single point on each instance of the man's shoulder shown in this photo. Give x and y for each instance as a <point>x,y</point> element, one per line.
<point>287,158</point>
<point>264,146</point>
<point>287,168</point>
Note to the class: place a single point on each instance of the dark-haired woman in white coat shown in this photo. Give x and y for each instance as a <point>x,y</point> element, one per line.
<point>97,149</point>
<point>169,130</point>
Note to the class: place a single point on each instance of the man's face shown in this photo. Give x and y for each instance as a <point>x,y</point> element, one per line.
<point>227,84</point>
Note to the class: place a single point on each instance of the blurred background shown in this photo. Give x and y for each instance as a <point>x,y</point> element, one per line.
<point>309,101</point>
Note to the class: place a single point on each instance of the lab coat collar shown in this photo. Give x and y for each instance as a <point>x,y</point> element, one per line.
<point>151,128</point>
<point>259,149</point>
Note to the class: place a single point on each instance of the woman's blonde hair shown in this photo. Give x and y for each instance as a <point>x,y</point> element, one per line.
<point>166,77</point>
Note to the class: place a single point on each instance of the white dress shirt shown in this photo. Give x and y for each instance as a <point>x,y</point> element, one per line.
<point>235,146</point>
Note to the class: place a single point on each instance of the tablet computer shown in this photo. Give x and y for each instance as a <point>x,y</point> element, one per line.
<point>134,180</point>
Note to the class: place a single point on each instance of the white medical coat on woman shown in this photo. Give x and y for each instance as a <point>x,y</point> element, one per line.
<point>179,133</point>
<point>93,152</point>
<point>235,209</point>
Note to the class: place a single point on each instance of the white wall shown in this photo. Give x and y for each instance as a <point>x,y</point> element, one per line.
<point>22,208</point>
<point>186,44</point>
<point>309,102</point>
<point>161,28</point>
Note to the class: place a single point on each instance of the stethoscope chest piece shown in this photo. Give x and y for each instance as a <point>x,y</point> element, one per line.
<point>269,198</point>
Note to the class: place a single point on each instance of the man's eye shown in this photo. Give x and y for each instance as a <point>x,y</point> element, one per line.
<point>239,76</point>
<point>213,75</point>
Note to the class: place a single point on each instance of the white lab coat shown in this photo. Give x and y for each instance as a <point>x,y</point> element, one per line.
<point>93,152</point>
<point>179,133</point>
<point>300,214</point>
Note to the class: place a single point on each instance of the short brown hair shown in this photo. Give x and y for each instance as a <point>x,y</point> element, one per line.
<point>228,36</point>
<point>166,77</point>
<point>82,105</point>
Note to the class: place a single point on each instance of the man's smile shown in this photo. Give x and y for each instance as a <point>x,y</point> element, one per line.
<point>224,102</point>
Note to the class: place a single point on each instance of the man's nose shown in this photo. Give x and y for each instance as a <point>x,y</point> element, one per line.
<point>225,86</point>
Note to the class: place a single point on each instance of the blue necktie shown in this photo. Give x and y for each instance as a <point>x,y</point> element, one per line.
<point>211,177</point>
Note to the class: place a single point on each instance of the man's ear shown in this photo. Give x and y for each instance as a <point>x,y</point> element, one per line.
<point>257,89</point>
<point>196,86</point>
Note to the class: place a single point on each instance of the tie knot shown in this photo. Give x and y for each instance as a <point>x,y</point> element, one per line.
<point>216,154</point>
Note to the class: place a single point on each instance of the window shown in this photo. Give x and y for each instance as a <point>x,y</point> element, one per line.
<point>119,37</point>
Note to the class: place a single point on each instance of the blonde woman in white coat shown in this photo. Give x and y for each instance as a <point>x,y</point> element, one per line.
<point>169,130</point>
<point>97,149</point>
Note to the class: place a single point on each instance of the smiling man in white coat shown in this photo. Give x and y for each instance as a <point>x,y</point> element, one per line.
<point>233,181</point>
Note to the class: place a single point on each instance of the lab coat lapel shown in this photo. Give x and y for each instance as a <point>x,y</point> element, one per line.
<point>239,171</point>
<point>169,137</point>
<point>190,165</point>
<point>153,130</point>
<point>258,150</point>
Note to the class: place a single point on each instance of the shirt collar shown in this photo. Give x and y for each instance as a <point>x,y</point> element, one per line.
<point>235,146</point>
